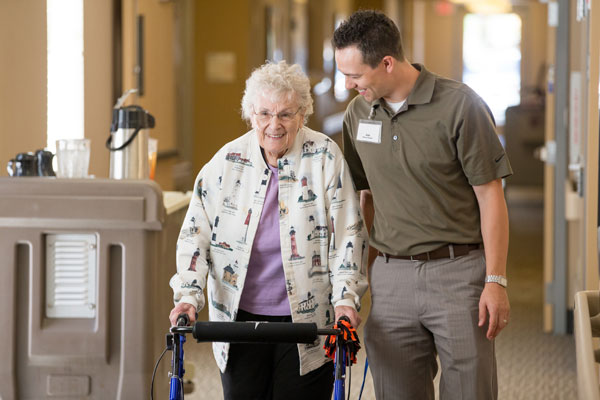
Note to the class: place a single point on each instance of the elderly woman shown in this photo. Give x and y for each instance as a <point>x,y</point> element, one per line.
<point>275,224</point>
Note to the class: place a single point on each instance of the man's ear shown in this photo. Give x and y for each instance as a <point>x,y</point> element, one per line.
<point>389,63</point>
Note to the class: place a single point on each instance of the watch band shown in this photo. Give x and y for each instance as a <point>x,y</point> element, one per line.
<point>499,279</point>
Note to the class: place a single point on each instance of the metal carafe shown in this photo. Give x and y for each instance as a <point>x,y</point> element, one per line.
<point>22,165</point>
<point>30,164</point>
<point>128,142</point>
<point>43,159</point>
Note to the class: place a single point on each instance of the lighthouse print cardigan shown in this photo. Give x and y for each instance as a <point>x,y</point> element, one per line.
<point>323,237</point>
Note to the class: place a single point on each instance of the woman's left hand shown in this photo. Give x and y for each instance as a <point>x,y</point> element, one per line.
<point>349,312</point>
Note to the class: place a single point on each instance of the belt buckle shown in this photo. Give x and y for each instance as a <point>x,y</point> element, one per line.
<point>418,257</point>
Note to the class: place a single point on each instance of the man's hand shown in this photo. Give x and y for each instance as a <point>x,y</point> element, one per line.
<point>349,312</point>
<point>182,308</point>
<point>494,302</point>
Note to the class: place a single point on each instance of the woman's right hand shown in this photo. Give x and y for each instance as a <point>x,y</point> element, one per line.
<point>182,308</point>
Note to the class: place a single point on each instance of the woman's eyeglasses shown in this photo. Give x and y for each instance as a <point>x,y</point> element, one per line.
<point>285,116</point>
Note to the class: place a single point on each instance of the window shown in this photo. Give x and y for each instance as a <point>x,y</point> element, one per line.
<point>339,88</point>
<point>492,59</point>
<point>65,70</point>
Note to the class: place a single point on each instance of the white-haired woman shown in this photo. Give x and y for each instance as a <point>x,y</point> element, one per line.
<point>275,224</point>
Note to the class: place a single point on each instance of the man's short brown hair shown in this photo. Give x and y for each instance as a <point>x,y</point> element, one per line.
<point>375,35</point>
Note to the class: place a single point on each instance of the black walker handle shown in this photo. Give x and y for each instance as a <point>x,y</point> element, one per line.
<point>254,332</point>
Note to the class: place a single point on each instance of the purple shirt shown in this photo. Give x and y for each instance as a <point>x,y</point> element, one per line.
<point>264,290</point>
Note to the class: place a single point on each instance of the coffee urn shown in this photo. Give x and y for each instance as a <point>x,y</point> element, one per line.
<point>128,143</point>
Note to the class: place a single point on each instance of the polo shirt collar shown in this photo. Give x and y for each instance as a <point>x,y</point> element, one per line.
<point>421,93</point>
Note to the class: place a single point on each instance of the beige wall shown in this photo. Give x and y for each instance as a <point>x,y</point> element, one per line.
<point>98,79</point>
<point>159,75</point>
<point>443,45</point>
<point>22,78</point>
<point>23,75</point>
<point>158,64</point>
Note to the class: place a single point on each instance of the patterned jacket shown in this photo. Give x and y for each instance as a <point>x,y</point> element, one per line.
<point>323,239</point>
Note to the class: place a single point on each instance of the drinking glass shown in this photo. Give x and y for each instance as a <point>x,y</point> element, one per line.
<point>73,158</point>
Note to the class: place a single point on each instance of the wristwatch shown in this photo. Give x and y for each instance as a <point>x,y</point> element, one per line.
<point>499,279</point>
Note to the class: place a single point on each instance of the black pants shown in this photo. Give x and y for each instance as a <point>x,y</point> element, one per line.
<point>272,371</point>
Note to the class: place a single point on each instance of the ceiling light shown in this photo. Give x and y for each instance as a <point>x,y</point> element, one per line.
<point>485,6</point>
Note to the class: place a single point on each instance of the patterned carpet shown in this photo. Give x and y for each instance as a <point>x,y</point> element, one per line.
<point>531,365</point>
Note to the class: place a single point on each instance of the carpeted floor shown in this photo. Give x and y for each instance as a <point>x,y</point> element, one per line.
<point>531,365</point>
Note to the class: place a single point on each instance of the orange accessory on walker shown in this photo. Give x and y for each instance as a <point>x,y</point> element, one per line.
<point>348,338</point>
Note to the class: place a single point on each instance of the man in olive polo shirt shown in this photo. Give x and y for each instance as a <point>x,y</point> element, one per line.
<point>424,153</point>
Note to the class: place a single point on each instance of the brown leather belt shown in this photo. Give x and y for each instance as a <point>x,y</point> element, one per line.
<point>448,251</point>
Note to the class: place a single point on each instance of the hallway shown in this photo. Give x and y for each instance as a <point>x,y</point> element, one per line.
<point>531,364</point>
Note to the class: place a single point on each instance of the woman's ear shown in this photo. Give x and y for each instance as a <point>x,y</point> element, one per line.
<point>252,122</point>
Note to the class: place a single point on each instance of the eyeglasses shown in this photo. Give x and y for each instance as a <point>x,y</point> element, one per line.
<point>286,116</point>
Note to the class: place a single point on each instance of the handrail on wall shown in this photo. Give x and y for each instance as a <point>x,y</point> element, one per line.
<point>587,327</point>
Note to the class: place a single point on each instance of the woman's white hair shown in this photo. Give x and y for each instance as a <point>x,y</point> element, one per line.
<point>277,80</point>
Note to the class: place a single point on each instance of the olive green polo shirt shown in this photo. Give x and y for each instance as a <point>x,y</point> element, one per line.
<point>439,144</point>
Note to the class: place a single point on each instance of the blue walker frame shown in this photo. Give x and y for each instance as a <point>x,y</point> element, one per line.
<point>177,339</point>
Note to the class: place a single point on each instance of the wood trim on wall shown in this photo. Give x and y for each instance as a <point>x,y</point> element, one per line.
<point>592,146</point>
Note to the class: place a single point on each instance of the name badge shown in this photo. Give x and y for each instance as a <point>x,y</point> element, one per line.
<point>369,131</point>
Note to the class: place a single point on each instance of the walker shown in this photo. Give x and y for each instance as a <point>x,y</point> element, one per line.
<point>341,345</point>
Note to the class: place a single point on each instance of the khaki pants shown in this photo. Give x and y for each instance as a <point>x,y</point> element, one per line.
<point>421,309</point>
